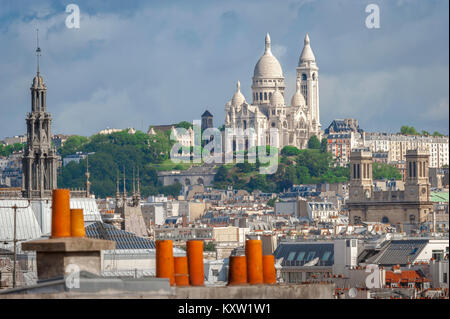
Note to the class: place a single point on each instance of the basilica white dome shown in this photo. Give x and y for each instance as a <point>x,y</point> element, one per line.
<point>268,65</point>
<point>298,99</point>
<point>277,98</point>
<point>238,98</point>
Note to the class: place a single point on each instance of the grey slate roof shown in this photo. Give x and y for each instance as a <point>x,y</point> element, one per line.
<point>399,252</point>
<point>298,254</point>
<point>207,113</point>
<point>123,239</point>
<point>27,226</point>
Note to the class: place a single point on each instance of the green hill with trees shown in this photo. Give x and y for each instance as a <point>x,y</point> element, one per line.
<point>112,153</point>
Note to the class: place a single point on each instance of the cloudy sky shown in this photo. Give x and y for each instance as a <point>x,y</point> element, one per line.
<point>139,63</point>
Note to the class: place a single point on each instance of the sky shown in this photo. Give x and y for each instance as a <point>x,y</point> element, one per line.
<point>139,63</point>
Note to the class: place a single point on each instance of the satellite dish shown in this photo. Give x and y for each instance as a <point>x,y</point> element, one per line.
<point>312,262</point>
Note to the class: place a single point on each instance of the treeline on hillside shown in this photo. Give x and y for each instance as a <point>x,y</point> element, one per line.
<point>6,150</point>
<point>112,154</point>
<point>116,151</point>
<point>410,130</point>
<point>308,166</point>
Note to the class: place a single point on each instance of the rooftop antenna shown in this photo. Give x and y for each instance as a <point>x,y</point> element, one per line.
<point>38,49</point>
<point>134,183</point>
<point>138,181</point>
<point>117,188</point>
<point>138,195</point>
<point>124,187</point>
<point>88,184</point>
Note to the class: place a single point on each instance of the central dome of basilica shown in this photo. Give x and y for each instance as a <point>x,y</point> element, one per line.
<point>268,65</point>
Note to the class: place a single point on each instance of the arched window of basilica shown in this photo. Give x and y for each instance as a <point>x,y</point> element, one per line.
<point>265,96</point>
<point>304,77</point>
<point>314,76</point>
<point>270,95</point>
<point>260,96</point>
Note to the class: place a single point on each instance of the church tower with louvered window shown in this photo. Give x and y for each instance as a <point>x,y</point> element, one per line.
<point>40,158</point>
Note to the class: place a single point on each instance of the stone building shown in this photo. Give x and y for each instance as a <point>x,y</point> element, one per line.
<point>207,120</point>
<point>130,212</point>
<point>40,158</point>
<point>397,145</point>
<point>295,123</point>
<point>196,175</point>
<point>411,205</point>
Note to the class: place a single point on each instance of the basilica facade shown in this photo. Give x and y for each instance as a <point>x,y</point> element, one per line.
<point>269,112</point>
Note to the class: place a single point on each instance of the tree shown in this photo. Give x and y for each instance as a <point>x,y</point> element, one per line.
<point>184,124</point>
<point>73,144</point>
<point>245,167</point>
<point>290,151</point>
<point>408,130</point>
<point>323,145</point>
<point>209,246</point>
<point>221,174</point>
<point>436,133</point>
<point>271,202</point>
<point>381,171</point>
<point>9,149</point>
<point>314,143</point>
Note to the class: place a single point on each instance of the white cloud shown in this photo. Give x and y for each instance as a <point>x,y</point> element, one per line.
<point>167,63</point>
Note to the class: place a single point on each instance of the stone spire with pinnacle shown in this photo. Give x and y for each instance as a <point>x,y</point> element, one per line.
<point>88,183</point>
<point>307,53</point>
<point>268,49</point>
<point>117,189</point>
<point>39,161</point>
<point>124,195</point>
<point>138,194</point>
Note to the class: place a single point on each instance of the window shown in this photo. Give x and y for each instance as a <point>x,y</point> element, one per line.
<point>437,254</point>
<point>326,255</point>
<point>303,77</point>
<point>300,256</point>
<point>291,256</point>
<point>260,95</point>
<point>311,255</point>
<point>265,96</point>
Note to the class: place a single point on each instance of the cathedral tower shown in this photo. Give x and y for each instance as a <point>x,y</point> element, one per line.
<point>417,185</point>
<point>308,76</point>
<point>40,159</point>
<point>361,183</point>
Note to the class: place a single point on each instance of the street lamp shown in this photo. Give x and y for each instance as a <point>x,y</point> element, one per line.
<point>15,207</point>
